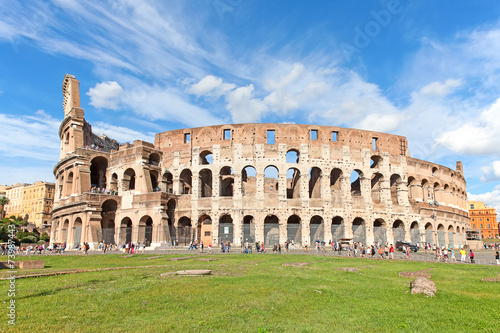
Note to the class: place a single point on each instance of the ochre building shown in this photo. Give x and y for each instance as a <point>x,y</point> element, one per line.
<point>32,202</point>
<point>484,219</point>
<point>250,182</point>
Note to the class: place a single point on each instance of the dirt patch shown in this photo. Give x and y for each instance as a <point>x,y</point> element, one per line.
<point>424,286</point>
<point>180,258</point>
<point>149,258</point>
<point>497,279</point>
<point>296,264</point>
<point>194,272</point>
<point>207,259</point>
<point>348,269</point>
<point>422,274</point>
<point>167,274</point>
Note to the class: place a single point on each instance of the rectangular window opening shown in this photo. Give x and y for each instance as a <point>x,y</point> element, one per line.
<point>187,137</point>
<point>271,137</point>
<point>314,134</point>
<point>227,134</point>
<point>335,136</point>
<point>374,144</point>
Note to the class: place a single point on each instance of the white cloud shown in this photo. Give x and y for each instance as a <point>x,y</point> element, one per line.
<point>243,107</point>
<point>381,122</point>
<point>491,172</point>
<point>106,95</point>
<point>210,86</point>
<point>491,199</point>
<point>438,89</point>
<point>477,136</point>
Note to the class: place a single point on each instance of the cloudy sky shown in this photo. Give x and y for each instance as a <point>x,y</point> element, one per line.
<point>427,70</point>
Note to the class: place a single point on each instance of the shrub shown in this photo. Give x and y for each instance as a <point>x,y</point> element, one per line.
<point>28,239</point>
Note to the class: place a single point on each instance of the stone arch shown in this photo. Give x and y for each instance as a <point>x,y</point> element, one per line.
<point>205,183</point>
<point>359,230</point>
<point>315,175</point>
<point>293,183</point>
<point>126,230</point>
<point>441,238</point>
<point>451,236</point>
<point>98,167</point>
<point>65,231</point>
<point>145,230</point>
<point>184,232</point>
<point>429,232</point>
<point>396,185</point>
<point>108,215</point>
<point>376,161</point>
<point>248,180</point>
<point>69,184</point>
<point>415,233</point>
<point>271,230</point>
<point>380,231</point>
<point>317,229</point>
<point>226,228</point>
<point>434,171</point>
<point>154,159</point>
<point>294,229</point>
<point>205,229</point>
<point>226,183</point>
<point>77,231</point>
<point>153,175</point>
<point>186,182</point>
<point>413,188</point>
<point>336,180</point>
<point>376,187</point>
<point>171,206</point>
<point>114,182</point>
<point>271,173</point>
<point>129,179</point>
<point>356,176</point>
<point>249,229</point>
<point>337,228</point>
<point>398,231</point>
<point>167,181</point>
<point>425,189</point>
<point>292,156</point>
<point>206,157</point>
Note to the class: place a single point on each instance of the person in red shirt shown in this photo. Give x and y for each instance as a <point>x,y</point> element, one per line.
<point>392,251</point>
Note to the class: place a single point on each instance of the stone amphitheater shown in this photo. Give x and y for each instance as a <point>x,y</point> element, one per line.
<point>250,182</point>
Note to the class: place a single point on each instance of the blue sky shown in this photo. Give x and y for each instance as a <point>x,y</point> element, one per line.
<point>428,70</point>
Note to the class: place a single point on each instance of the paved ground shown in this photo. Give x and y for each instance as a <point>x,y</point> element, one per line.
<point>483,257</point>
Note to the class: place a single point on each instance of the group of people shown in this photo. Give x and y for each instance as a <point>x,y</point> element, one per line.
<point>93,147</point>
<point>102,190</point>
<point>132,248</point>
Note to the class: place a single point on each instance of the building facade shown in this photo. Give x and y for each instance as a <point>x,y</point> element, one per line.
<point>15,194</point>
<point>484,219</point>
<point>32,202</point>
<point>250,182</point>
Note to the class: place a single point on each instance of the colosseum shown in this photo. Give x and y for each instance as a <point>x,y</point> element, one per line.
<point>250,182</point>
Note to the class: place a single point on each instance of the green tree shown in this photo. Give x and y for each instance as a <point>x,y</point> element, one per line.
<point>3,201</point>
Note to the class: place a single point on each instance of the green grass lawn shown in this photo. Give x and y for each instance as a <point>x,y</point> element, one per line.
<point>253,293</point>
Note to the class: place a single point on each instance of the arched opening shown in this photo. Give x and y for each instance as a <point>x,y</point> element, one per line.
<point>185,182</point>
<point>441,235</point>
<point>411,188</point>
<point>98,167</point>
<point>205,183</point>
<point>206,157</point>
<point>398,231</point>
<point>205,230</point>
<point>375,161</point>
<point>426,193</point>
<point>249,229</point>
<point>359,230</point>
<point>108,214</point>
<point>376,187</point>
<point>129,179</point>
<point>65,231</point>
<point>438,193</point>
<point>171,204</point>
<point>379,231</point>
<point>114,182</point>
<point>451,236</point>
<point>69,184</point>
<point>395,188</point>
<point>77,231</point>
<point>434,171</point>
<point>271,181</point>
<point>460,241</point>
<point>168,182</point>
<point>184,230</point>
<point>317,229</point>
<point>294,230</point>
<point>126,230</point>
<point>337,228</point>
<point>356,183</point>
<point>414,233</point>
<point>248,181</point>
<point>146,230</point>
<point>154,159</point>
<point>226,182</point>
<point>226,228</point>
<point>428,233</point>
<point>292,156</point>
<point>271,230</point>
<point>336,181</point>
<point>315,182</point>
<point>292,183</point>
<point>154,181</point>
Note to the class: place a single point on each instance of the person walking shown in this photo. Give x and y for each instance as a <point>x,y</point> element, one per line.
<point>471,256</point>
<point>497,258</point>
<point>391,250</point>
<point>462,255</point>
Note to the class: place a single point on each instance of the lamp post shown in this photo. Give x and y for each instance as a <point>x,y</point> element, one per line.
<point>433,203</point>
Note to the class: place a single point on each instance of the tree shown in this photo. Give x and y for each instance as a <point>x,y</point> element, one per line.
<point>3,201</point>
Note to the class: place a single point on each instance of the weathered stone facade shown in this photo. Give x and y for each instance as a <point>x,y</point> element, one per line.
<point>214,183</point>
